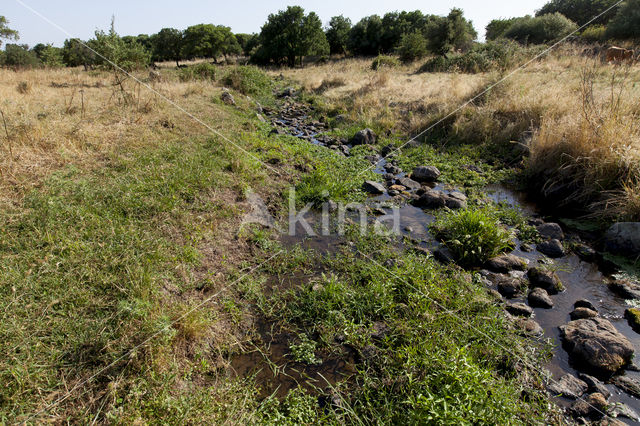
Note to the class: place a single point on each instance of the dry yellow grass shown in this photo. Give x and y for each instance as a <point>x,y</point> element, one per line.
<point>583,115</point>
<point>53,118</point>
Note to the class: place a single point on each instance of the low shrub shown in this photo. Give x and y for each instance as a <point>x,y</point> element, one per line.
<point>494,55</point>
<point>248,80</point>
<point>594,33</point>
<point>412,47</point>
<point>203,71</point>
<point>541,29</point>
<point>383,61</point>
<point>473,236</point>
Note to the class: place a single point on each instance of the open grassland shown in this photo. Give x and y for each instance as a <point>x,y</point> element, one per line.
<point>130,286</point>
<point>576,116</point>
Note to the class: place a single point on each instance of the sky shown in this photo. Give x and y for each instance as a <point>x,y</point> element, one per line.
<point>80,19</point>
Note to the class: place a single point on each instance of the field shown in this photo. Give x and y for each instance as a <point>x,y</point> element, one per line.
<point>132,292</point>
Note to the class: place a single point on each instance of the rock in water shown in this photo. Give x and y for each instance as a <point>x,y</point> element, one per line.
<point>623,238</point>
<point>425,174</point>
<point>628,385</point>
<point>408,183</point>
<point>539,298</point>
<point>551,230</point>
<point>593,406</point>
<point>551,248</point>
<point>519,310</point>
<point>529,327</point>
<point>596,343</point>
<point>506,263</point>
<point>595,385</point>
<point>543,278</point>
<point>569,386</point>
<point>431,199</point>
<point>625,289</point>
<point>364,137</point>
<point>509,287</point>
<point>582,313</point>
<point>633,316</point>
<point>373,187</point>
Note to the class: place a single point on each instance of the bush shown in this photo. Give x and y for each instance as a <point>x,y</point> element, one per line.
<point>541,29</point>
<point>594,33</point>
<point>626,24</point>
<point>19,56</point>
<point>203,71</point>
<point>473,236</point>
<point>248,80</point>
<point>384,61</point>
<point>412,47</point>
<point>494,55</point>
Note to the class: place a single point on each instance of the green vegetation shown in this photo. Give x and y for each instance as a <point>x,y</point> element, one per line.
<point>202,71</point>
<point>248,80</point>
<point>541,29</point>
<point>338,34</point>
<point>6,33</point>
<point>581,11</point>
<point>497,55</point>
<point>626,23</point>
<point>474,235</point>
<point>383,61</point>
<point>412,47</point>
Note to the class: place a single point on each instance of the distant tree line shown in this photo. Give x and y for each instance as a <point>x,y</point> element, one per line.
<point>292,34</point>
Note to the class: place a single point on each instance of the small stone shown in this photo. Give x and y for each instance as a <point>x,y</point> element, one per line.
<point>539,298</point>
<point>431,199</point>
<point>425,174</point>
<point>593,406</point>
<point>583,313</point>
<point>373,187</point>
<point>551,248</point>
<point>506,263</point>
<point>628,385</point>
<point>509,287</point>
<point>568,386</point>
<point>409,183</point>
<point>595,385</point>
<point>398,188</point>
<point>527,248</point>
<point>519,309</point>
<point>539,277</point>
<point>456,200</point>
<point>552,231</point>
<point>529,327</point>
<point>364,137</point>
<point>585,252</point>
<point>584,303</point>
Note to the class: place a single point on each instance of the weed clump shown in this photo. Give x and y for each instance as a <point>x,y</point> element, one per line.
<point>473,236</point>
<point>203,71</point>
<point>248,80</point>
<point>383,61</point>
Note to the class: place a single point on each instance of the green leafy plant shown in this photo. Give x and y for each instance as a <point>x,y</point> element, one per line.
<point>203,71</point>
<point>473,236</point>
<point>248,80</point>
<point>384,61</point>
<point>305,351</point>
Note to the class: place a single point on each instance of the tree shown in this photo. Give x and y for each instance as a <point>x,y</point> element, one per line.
<point>450,32</point>
<point>626,24</point>
<point>75,53</point>
<point>243,41</point>
<point>112,49</point>
<point>413,46</point>
<point>290,35</point>
<point>167,45</point>
<point>581,11</point>
<point>209,41</point>
<point>19,56</point>
<point>498,27</point>
<point>365,37</point>
<point>6,32</point>
<point>49,55</point>
<point>541,29</point>
<point>338,34</point>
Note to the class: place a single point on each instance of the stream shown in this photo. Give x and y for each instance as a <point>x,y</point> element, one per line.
<point>582,280</point>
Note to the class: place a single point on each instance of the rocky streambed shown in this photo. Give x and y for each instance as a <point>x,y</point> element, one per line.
<point>559,290</point>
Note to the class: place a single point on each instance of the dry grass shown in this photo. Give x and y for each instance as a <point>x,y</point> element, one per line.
<point>582,115</point>
<point>53,118</point>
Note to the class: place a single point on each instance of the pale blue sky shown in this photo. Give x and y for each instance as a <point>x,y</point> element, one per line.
<point>81,18</point>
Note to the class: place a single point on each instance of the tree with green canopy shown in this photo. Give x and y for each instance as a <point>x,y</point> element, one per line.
<point>626,23</point>
<point>7,33</point>
<point>167,45</point>
<point>290,35</point>
<point>581,11</point>
<point>453,32</point>
<point>338,34</point>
